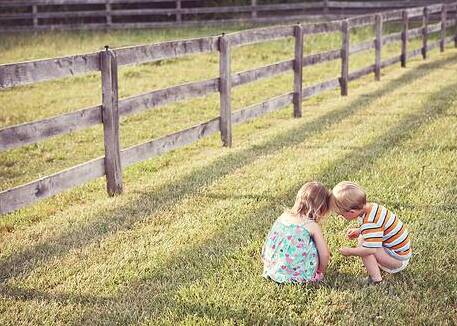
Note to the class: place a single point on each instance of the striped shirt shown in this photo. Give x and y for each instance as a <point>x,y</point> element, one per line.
<point>382,228</point>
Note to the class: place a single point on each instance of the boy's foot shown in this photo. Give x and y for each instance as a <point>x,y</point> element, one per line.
<point>370,281</point>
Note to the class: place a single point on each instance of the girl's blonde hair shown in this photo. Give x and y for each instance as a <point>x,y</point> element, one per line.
<point>312,201</point>
<point>346,196</point>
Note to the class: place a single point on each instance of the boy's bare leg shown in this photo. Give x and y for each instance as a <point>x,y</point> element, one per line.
<point>383,259</point>
<point>371,264</point>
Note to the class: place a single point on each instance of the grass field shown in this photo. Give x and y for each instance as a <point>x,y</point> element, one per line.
<point>182,244</point>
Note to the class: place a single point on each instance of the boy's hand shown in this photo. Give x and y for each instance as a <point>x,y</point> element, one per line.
<point>345,251</point>
<point>352,233</point>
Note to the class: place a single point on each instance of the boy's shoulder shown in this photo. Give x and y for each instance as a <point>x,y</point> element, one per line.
<point>370,213</point>
<point>375,213</point>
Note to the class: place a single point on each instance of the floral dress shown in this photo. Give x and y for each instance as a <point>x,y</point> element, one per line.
<point>289,254</point>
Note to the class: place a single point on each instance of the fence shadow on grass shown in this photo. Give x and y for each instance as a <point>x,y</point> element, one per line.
<point>22,294</point>
<point>182,271</point>
<point>22,263</point>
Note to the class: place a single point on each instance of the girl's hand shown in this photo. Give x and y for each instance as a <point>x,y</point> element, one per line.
<point>345,251</point>
<point>319,276</point>
<point>352,233</point>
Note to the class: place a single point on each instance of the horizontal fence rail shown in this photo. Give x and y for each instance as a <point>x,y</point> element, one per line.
<point>33,132</point>
<point>262,72</point>
<point>106,62</point>
<point>39,70</point>
<point>160,97</point>
<point>21,196</point>
<point>46,14</point>
<point>167,143</point>
<point>70,14</point>
<point>257,110</point>
<point>166,50</point>
<point>318,88</point>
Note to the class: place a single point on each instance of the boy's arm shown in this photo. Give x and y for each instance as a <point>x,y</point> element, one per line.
<point>359,251</point>
<point>353,233</point>
<point>370,239</point>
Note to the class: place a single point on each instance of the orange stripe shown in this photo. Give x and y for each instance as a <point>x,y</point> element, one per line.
<point>393,226</point>
<point>404,253</point>
<point>367,216</point>
<point>378,215</point>
<point>385,219</point>
<point>401,244</point>
<point>396,235</point>
<point>368,231</point>
<point>373,240</point>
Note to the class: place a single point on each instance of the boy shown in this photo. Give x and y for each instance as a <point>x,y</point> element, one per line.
<point>383,239</point>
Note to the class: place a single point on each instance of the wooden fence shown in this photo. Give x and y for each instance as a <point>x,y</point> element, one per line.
<point>16,15</point>
<point>111,108</point>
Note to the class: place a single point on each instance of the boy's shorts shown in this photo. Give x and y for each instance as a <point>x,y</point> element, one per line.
<point>404,263</point>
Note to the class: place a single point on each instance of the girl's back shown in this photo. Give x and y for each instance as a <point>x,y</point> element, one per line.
<point>289,253</point>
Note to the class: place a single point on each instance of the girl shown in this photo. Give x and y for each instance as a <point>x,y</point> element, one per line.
<point>295,250</point>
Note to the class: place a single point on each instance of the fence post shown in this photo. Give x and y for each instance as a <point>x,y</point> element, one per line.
<point>34,14</point>
<point>424,33</point>
<point>443,27</point>
<point>298,71</point>
<point>455,27</point>
<point>253,9</point>
<point>178,14</point>
<point>325,6</point>
<point>109,19</point>
<point>344,58</point>
<point>404,39</point>
<point>110,117</point>
<point>378,46</point>
<point>225,86</point>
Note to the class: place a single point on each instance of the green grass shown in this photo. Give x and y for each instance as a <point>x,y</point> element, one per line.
<point>182,244</point>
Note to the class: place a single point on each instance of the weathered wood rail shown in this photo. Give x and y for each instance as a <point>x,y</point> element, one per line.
<point>16,15</point>
<point>111,108</point>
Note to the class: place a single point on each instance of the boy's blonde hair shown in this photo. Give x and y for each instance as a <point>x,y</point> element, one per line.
<point>312,201</point>
<point>347,195</point>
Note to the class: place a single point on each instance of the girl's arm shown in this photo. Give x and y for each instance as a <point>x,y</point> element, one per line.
<point>321,245</point>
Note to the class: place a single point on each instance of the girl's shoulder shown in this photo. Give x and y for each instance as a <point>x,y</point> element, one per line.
<point>290,221</point>
<point>313,227</point>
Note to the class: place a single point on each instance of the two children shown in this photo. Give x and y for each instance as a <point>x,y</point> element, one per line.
<point>296,252</point>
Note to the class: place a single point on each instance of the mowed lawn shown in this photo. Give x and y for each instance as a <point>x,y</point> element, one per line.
<point>182,244</point>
